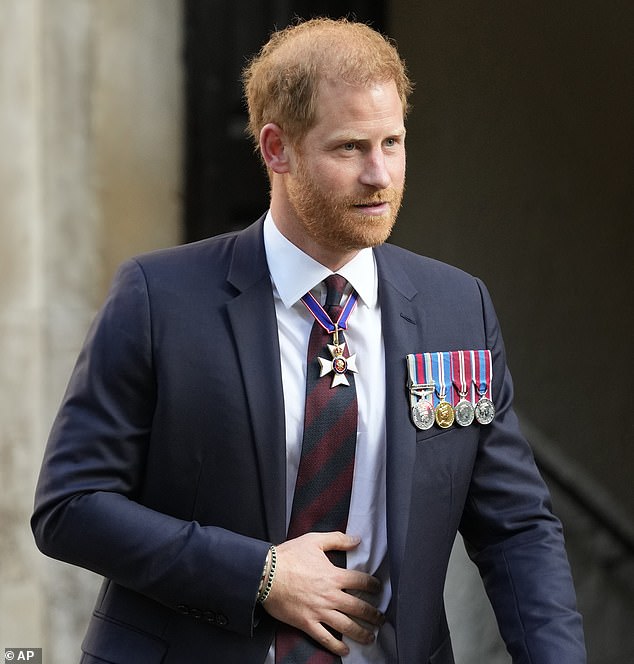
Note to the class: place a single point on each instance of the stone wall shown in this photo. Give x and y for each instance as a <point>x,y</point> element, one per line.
<point>90,173</point>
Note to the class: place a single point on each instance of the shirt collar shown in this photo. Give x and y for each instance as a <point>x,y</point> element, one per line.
<point>294,273</point>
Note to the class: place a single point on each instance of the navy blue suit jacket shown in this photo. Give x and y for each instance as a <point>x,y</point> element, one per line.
<point>165,468</point>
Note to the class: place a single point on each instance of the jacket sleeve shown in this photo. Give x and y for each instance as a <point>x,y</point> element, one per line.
<point>513,537</point>
<point>87,509</point>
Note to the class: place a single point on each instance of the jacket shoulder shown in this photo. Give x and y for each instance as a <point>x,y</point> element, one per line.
<point>217,249</point>
<point>422,269</point>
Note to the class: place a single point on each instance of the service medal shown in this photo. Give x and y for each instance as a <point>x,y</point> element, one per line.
<point>461,376</point>
<point>484,411</point>
<point>421,390</point>
<point>483,377</point>
<point>445,415</point>
<point>423,414</point>
<point>465,413</point>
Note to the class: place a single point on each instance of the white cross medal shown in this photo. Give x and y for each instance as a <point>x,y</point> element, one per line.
<point>339,364</point>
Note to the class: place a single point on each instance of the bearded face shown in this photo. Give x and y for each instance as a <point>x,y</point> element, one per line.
<point>338,189</point>
<point>335,217</point>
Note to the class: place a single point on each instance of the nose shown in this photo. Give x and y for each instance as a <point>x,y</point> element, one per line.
<point>375,171</point>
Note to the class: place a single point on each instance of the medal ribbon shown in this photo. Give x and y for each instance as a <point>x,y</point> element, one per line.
<point>483,374</point>
<point>420,375</point>
<point>414,365</point>
<point>441,366</point>
<point>429,376</point>
<point>461,372</point>
<point>320,315</point>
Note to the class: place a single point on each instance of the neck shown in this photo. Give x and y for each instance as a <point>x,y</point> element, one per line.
<point>290,228</point>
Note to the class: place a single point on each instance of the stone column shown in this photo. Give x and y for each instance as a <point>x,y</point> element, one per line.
<point>21,369</point>
<point>90,173</point>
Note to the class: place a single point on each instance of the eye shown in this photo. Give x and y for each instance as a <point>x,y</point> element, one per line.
<point>348,147</point>
<point>390,142</point>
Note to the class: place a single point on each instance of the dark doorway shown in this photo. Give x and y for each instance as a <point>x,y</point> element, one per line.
<point>225,186</point>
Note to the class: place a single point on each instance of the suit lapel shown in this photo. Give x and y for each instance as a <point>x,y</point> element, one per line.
<point>254,326</point>
<point>258,351</point>
<point>401,331</point>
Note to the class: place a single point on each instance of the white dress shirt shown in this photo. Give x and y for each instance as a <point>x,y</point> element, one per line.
<point>293,274</point>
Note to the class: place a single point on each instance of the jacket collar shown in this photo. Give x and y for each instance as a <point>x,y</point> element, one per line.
<point>254,326</point>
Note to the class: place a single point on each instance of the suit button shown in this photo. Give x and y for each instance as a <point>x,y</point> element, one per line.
<point>210,616</point>
<point>221,620</point>
<point>183,608</point>
<point>196,613</point>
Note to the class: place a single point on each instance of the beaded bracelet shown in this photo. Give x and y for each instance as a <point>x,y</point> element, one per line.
<point>263,595</point>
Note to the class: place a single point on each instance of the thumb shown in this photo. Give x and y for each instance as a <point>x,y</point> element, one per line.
<point>337,541</point>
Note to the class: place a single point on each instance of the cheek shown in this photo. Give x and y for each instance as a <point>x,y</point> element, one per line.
<point>335,174</point>
<point>397,171</point>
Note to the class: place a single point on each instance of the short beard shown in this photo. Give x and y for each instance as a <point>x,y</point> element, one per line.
<point>332,222</point>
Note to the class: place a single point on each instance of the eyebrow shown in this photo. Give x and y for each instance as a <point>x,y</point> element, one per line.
<point>353,137</point>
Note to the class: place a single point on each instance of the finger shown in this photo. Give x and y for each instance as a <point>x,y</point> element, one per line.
<point>354,580</point>
<point>326,639</point>
<point>358,609</point>
<point>350,628</point>
<point>337,541</point>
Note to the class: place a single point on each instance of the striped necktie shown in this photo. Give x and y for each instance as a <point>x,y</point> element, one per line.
<point>324,479</point>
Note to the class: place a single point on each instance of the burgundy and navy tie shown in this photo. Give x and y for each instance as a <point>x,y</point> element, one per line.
<point>324,479</point>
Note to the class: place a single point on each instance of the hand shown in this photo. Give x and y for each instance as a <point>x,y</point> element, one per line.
<point>309,592</point>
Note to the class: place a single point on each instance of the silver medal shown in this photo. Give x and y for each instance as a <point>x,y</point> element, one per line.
<point>484,411</point>
<point>464,412</point>
<point>423,414</point>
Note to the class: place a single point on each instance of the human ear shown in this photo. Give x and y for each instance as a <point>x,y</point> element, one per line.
<point>274,147</point>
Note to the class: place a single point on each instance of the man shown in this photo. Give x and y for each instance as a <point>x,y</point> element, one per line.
<point>201,459</point>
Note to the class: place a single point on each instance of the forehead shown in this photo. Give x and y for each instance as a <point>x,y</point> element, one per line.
<point>342,107</point>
